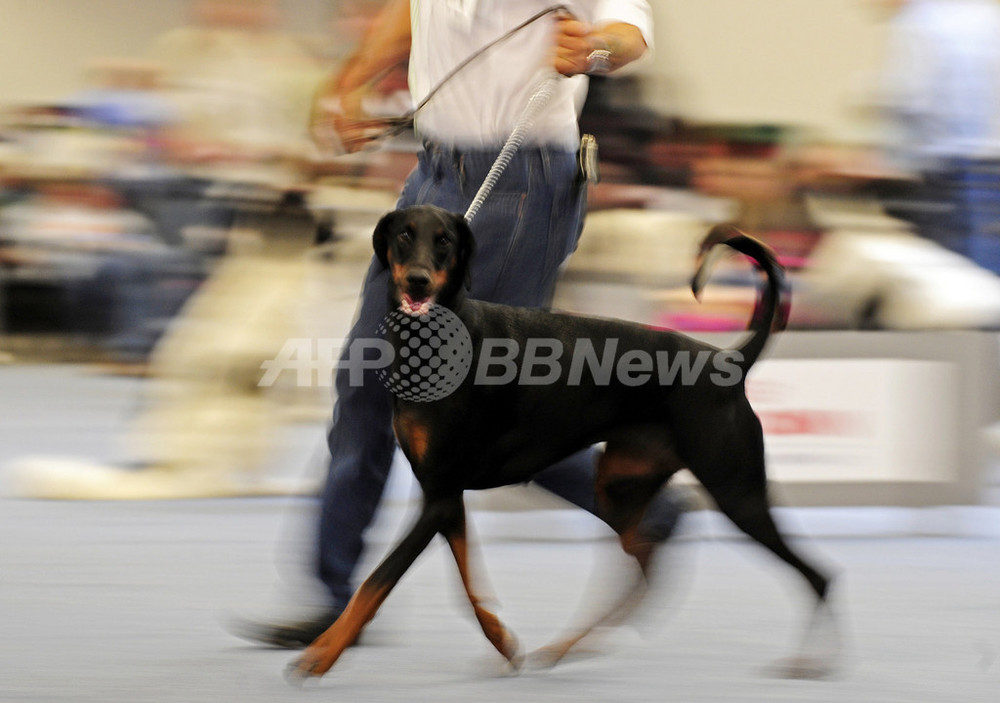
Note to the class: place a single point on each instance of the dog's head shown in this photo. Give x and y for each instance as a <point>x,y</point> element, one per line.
<point>427,251</point>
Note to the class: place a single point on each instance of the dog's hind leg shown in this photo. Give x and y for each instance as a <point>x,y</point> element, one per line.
<point>738,485</point>
<point>322,654</point>
<point>465,554</point>
<point>819,647</point>
<point>628,476</point>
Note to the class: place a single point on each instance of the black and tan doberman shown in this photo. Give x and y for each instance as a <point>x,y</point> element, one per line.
<point>611,381</point>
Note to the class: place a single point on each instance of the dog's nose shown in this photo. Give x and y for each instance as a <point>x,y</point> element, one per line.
<point>418,281</point>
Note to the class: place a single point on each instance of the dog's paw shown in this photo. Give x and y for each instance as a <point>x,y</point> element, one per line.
<point>545,657</point>
<point>510,648</point>
<point>516,661</point>
<point>310,665</point>
<point>295,674</point>
<point>550,655</point>
<point>801,668</point>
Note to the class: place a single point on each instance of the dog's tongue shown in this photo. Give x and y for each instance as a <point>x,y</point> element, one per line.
<point>413,306</point>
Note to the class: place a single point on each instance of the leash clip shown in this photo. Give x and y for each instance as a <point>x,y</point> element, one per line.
<point>587,159</point>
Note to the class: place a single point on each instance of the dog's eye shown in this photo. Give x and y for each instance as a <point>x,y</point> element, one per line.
<point>405,237</point>
<point>442,242</point>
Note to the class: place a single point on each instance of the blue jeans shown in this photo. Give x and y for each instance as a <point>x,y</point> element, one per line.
<point>525,230</point>
<point>957,205</point>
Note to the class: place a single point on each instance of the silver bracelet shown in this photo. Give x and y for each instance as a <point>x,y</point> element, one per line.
<point>599,62</point>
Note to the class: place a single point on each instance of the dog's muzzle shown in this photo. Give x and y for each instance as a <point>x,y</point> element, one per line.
<point>416,298</point>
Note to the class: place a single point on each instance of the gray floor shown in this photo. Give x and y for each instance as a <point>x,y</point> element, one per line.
<point>128,601</point>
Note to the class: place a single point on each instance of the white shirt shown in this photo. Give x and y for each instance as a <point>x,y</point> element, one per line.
<point>479,107</point>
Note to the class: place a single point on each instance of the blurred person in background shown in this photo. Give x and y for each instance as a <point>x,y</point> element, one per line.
<point>939,95</point>
<point>240,91</point>
<point>81,259</point>
<point>66,235</point>
<point>526,229</point>
<point>134,100</point>
<point>241,87</point>
<point>126,98</point>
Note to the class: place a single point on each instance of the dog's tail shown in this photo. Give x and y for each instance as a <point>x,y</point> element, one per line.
<point>770,313</point>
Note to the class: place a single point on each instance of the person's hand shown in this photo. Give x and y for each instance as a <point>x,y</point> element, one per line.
<point>579,47</point>
<point>338,122</point>
<point>572,46</point>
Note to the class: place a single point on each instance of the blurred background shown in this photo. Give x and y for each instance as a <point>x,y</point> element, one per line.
<point>166,224</point>
<point>167,229</point>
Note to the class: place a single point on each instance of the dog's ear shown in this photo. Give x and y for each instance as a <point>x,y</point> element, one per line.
<point>380,237</point>
<point>466,249</point>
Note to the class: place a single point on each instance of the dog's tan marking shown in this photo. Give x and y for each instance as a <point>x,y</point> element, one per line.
<point>495,631</point>
<point>398,274</point>
<point>413,436</point>
<point>439,279</point>
<point>322,654</point>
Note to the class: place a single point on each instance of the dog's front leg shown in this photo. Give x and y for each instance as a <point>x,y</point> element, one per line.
<point>495,631</point>
<point>322,654</point>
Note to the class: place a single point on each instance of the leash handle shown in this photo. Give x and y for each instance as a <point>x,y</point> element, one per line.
<point>539,99</point>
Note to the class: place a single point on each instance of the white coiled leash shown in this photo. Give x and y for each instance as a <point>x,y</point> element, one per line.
<point>539,99</point>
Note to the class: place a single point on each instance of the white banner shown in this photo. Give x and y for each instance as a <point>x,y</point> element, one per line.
<point>857,419</point>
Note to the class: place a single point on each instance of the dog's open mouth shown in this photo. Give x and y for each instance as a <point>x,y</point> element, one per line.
<point>415,306</point>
